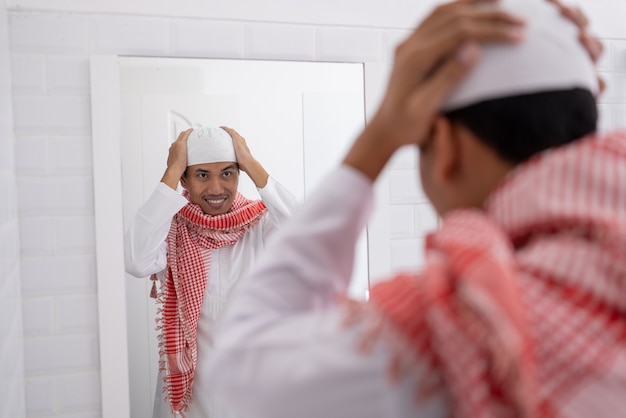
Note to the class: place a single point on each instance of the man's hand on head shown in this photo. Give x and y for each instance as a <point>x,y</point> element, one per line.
<point>427,65</point>
<point>247,163</point>
<point>176,160</point>
<point>244,156</point>
<point>590,42</point>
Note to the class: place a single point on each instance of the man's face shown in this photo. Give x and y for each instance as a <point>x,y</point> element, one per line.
<point>212,186</point>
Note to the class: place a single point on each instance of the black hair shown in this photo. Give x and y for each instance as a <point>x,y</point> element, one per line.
<point>521,126</point>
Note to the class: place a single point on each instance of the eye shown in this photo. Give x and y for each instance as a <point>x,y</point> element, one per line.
<point>202,175</point>
<point>227,173</point>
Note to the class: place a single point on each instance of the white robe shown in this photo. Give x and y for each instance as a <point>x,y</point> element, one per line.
<point>146,253</point>
<point>280,349</point>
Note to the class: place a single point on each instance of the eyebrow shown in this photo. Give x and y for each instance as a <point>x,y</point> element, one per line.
<point>229,167</point>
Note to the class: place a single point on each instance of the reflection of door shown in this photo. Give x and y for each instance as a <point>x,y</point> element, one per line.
<point>148,126</point>
<point>142,147</point>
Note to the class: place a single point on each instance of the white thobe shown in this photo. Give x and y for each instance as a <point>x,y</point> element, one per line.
<point>280,348</point>
<point>146,253</point>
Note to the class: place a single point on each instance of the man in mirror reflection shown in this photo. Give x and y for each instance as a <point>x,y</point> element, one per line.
<point>199,243</point>
<point>519,310</point>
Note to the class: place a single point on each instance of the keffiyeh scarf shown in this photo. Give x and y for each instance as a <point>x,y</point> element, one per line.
<point>520,310</point>
<point>192,236</point>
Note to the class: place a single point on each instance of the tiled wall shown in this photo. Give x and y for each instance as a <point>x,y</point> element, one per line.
<point>49,59</point>
<point>49,54</point>
<point>53,166</point>
<point>12,403</point>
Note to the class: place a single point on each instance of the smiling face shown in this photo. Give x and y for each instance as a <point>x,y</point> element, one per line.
<point>212,186</point>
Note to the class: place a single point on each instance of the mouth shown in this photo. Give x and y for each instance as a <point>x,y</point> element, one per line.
<point>215,203</point>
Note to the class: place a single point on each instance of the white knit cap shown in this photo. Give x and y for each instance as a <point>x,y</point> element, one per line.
<point>550,57</point>
<point>209,145</point>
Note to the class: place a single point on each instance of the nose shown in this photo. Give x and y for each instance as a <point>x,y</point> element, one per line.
<point>214,186</point>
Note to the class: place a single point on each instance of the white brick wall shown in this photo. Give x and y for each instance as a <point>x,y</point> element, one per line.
<point>199,38</point>
<point>53,165</point>
<point>49,54</point>
<point>271,41</point>
<point>349,44</point>
<point>392,14</point>
<point>12,395</point>
<point>133,35</point>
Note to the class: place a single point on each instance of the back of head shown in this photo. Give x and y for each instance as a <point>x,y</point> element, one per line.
<point>525,98</point>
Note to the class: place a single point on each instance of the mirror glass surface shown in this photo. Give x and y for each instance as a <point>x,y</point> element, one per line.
<point>298,119</point>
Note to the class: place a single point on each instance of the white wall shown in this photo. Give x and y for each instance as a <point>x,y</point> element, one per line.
<point>50,42</point>
<point>366,13</point>
<point>12,403</point>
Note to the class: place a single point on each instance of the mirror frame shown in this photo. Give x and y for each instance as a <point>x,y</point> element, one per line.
<point>108,220</point>
<point>109,234</point>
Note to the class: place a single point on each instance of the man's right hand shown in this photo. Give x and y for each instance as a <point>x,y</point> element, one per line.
<point>176,160</point>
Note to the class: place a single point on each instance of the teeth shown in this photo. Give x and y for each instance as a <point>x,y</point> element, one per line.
<point>215,201</point>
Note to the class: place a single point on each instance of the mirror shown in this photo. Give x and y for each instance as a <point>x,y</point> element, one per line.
<point>298,119</point>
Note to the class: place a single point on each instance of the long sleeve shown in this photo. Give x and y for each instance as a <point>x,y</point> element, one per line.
<point>280,349</point>
<point>316,248</point>
<point>280,202</point>
<point>144,243</point>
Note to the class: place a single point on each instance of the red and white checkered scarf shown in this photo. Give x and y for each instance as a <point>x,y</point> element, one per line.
<point>192,236</point>
<point>520,310</point>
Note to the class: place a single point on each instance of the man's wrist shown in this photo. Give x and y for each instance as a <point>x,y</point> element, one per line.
<point>371,151</point>
<point>257,174</point>
<point>171,178</point>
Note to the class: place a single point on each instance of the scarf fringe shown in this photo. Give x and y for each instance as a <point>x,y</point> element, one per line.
<point>182,406</point>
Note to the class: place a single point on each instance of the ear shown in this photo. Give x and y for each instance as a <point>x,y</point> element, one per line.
<point>446,156</point>
<point>183,180</point>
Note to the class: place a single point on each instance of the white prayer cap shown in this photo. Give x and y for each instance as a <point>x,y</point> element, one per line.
<point>550,57</point>
<point>209,145</point>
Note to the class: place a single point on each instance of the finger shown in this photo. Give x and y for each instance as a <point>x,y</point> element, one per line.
<point>450,72</point>
<point>576,15</point>
<point>601,85</point>
<point>593,45</point>
<point>481,29</point>
<point>488,28</point>
<point>182,137</point>
<point>233,133</point>
<point>229,130</point>
<point>446,77</point>
<point>421,53</point>
<point>557,3</point>
<point>446,8</point>
<point>449,41</point>
<point>468,14</point>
